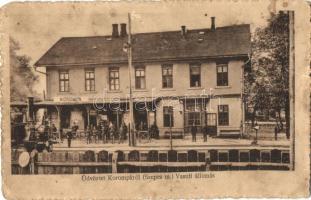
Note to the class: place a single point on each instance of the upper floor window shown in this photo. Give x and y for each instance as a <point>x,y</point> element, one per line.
<point>167,76</point>
<point>89,80</point>
<point>140,78</point>
<point>222,74</point>
<point>114,80</point>
<point>195,75</point>
<point>64,81</point>
<point>223,115</point>
<point>168,116</point>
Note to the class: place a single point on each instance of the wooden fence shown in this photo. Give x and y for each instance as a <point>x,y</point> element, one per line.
<point>90,162</point>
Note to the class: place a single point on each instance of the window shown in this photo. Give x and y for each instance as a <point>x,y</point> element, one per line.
<point>114,81</point>
<point>140,78</point>
<point>89,80</point>
<point>194,114</point>
<point>222,74</point>
<point>64,81</point>
<point>223,115</point>
<point>195,75</point>
<point>167,76</point>
<point>193,111</point>
<point>168,116</point>
<point>194,118</point>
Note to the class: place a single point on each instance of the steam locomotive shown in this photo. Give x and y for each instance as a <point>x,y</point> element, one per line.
<point>26,134</point>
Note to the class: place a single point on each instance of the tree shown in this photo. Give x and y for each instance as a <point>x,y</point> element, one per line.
<point>267,82</point>
<point>22,75</point>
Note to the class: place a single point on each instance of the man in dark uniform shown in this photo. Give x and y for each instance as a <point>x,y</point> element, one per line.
<point>194,133</point>
<point>69,137</point>
<point>61,133</point>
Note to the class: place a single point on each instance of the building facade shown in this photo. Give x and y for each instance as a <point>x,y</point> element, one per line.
<point>179,79</point>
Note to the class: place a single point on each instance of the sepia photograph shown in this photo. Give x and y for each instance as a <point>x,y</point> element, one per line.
<point>157,89</point>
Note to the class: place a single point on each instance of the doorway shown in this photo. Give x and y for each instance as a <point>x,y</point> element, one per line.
<point>211,120</point>
<point>141,121</point>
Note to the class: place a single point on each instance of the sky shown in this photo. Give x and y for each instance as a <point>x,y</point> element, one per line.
<point>37,26</point>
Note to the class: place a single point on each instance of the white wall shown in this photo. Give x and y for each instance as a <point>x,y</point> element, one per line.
<point>178,116</point>
<point>235,112</point>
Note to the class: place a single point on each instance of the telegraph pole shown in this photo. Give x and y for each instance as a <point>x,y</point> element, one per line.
<point>292,88</point>
<point>171,137</point>
<point>129,54</point>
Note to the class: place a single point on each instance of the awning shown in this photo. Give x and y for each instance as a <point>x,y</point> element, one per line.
<point>95,101</point>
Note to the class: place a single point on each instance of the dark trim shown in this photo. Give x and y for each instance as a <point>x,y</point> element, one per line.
<point>155,60</point>
<point>181,98</point>
<point>228,96</point>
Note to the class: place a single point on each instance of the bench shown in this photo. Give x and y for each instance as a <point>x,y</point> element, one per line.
<point>175,134</point>
<point>229,133</point>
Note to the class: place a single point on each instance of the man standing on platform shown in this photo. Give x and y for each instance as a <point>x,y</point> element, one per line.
<point>194,133</point>
<point>69,138</point>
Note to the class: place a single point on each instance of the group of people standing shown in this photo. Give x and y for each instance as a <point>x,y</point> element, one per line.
<point>194,131</point>
<point>44,132</point>
<point>153,130</point>
<point>106,132</point>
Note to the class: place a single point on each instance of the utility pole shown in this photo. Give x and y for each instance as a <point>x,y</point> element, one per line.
<point>292,88</point>
<point>129,54</point>
<point>171,138</point>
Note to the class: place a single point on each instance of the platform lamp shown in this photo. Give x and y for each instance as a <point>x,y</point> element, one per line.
<point>181,112</point>
<point>171,138</point>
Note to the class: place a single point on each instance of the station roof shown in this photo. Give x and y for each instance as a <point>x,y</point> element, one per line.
<point>228,41</point>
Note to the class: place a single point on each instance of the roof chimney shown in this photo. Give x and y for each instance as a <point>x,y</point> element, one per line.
<point>123,30</point>
<point>115,31</point>
<point>183,30</point>
<point>213,23</point>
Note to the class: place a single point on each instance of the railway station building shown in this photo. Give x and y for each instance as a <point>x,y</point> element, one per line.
<point>179,79</point>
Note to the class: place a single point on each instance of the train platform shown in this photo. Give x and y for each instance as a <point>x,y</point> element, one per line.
<point>219,143</point>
